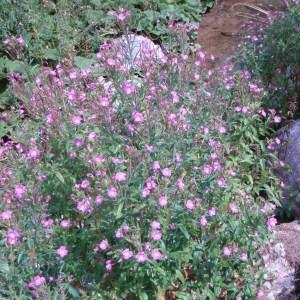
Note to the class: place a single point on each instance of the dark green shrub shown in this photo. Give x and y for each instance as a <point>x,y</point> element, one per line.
<point>275,58</point>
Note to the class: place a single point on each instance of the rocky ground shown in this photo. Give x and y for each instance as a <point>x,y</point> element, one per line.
<point>221,30</point>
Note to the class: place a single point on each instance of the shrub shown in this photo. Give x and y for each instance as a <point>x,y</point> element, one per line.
<point>273,56</point>
<point>143,184</point>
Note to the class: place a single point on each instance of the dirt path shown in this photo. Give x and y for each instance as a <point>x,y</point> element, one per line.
<point>221,29</point>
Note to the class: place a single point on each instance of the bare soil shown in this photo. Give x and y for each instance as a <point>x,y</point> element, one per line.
<point>221,29</point>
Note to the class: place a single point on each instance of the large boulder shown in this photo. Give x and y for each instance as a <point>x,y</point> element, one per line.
<point>135,48</point>
<point>281,258</point>
<point>289,153</point>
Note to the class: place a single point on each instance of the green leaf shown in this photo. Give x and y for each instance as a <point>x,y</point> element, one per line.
<point>119,211</point>
<point>179,276</point>
<point>73,291</point>
<point>143,296</point>
<point>60,177</point>
<point>184,231</point>
<point>4,267</point>
<point>83,63</point>
<point>51,54</point>
<point>16,66</point>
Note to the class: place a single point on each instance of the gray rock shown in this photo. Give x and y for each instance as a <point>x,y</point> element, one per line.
<point>134,48</point>
<point>289,153</point>
<point>281,257</point>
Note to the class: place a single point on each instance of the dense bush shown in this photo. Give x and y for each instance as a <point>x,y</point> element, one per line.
<point>273,56</point>
<point>118,183</point>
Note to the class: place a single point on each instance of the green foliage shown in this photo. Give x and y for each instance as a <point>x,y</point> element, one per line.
<point>57,30</point>
<point>220,158</point>
<point>165,163</point>
<point>275,59</point>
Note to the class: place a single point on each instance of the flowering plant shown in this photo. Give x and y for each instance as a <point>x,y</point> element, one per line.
<point>134,185</point>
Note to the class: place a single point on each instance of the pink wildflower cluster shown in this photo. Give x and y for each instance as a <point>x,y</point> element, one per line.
<point>126,171</point>
<point>121,14</point>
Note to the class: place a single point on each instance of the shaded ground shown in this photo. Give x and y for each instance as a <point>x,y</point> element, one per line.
<point>221,29</point>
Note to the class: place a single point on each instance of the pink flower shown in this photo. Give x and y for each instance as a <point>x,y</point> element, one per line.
<point>196,76</point>
<point>149,148</point>
<point>262,112</point>
<point>118,160</point>
<point>260,295</point>
<point>98,159</point>
<point>221,182</point>
<point>203,221</point>
<point>7,41</point>
<point>231,172</point>
<point>76,120</point>
<point>214,155</point>
<point>155,225</point>
<point>20,40</point>
<point>62,251</point>
<point>37,281</point>
<point>65,224</point>
<point>271,223</point>
<point>155,165</point>
<point>112,192</point>
<point>111,62</point>
<point>147,245</point>
<point>151,184</point>
<point>6,215</point>
<point>146,192</point>
<point>12,237</point>
<point>20,190</point>
<point>217,166</point>
<point>175,97</point>
<point>163,201</point>
<point>156,235</point>
<point>103,245</point>
<point>178,158</point>
<point>73,75</point>
<point>120,176</point>
<point>141,257</point>
<point>84,184</point>
<point>47,222</point>
<point>84,206</point>
<point>119,233</point>
<point>207,170</point>
<point>244,257</point>
<point>189,204</point>
<point>246,109</point>
<point>108,265</point>
<point>277,119</point>
<point>253,88</point>
<point>156,254</point>
<point>34,153</point>
<point>166,172</point>
<point>128,88</point>
<point>233,208</point>
<point>222,130</point>
<point>212,212</point>
<point>121,15</point>
<point>127,254</point>
<point>226,251</point>
<point>78,143</point>
<point>180,184</point>
<point>137,117</point>
<point>92,136</point>
<point>104,101</point>
<point>99,200</point>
